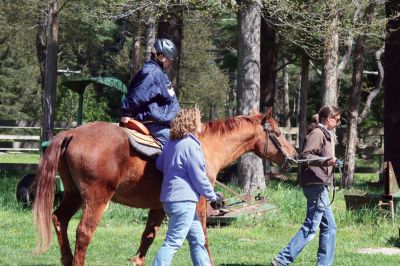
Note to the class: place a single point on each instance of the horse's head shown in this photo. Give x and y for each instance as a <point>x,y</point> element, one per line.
<point>271,144</point>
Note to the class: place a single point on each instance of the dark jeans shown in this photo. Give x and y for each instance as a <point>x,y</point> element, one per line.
<point>159,132</point>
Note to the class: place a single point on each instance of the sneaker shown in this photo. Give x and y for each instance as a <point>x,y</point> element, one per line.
<point>276,263</point>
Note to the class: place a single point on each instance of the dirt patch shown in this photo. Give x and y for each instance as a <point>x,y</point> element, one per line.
<point>385,251</point>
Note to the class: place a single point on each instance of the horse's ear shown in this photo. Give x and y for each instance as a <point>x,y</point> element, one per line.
<point>267,116</point>
<point>269,113</point>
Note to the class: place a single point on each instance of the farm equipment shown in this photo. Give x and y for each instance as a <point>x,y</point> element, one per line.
<point>239,205</point>
<point>389,199</point>
<point>24,192</point>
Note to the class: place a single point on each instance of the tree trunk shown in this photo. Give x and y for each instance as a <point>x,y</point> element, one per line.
<point>136,38</point>
<point>250,166</point>
<point>150,36</point>
<point>302,107</point>
<point>286,104</point>
<point>172,29</point>
<point>278,99</point>
<point>358,68</point>
<point>392,87</point>
<point>50,81</point>
<point>41,42</point>
<point>268,65</point>
<point>331,50</point>
<point>302,115</point>
<point>268,59</point>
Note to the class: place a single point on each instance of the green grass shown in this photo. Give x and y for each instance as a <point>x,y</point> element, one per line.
<point>253,240</point>
<point>19,157</point>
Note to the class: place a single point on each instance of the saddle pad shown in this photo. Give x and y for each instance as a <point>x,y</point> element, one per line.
<point>144,144</point>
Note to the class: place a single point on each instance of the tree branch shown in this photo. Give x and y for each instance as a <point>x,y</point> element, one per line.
<point>377,87</point>
<point>349,43</point>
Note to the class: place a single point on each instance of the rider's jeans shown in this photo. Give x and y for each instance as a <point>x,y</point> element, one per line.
<point>183,223</point>
<point>319,215</point>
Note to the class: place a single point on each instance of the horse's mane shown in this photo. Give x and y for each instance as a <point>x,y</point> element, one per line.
<point>230,125</point>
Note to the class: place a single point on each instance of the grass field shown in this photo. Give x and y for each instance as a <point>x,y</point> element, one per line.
<point>251,240</point>
<point>32,157</point>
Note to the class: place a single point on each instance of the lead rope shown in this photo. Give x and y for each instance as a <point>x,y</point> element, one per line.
<point>334,182</point>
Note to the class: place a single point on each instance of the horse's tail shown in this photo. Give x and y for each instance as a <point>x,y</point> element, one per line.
<point>44,184</point>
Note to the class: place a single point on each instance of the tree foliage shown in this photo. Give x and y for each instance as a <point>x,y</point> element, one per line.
<point>95,38</point>
<point>19,91</point>
<point>202,80</point>
<point>95,108</point>
<point>306,23</point>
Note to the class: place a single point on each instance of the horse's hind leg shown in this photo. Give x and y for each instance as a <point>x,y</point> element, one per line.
<point>70,204</point>
<point>154,220</point>
<point>92,212</point>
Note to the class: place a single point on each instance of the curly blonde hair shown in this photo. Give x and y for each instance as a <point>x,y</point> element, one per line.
<point>186,121</point>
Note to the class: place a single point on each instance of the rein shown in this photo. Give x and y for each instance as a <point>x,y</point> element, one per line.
<point>289,160</point>
<point>275,141</point>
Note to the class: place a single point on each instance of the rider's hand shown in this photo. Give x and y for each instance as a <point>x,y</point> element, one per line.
<point>332,162</point>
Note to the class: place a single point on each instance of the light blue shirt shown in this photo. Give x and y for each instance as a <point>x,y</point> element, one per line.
<point>183,165</point>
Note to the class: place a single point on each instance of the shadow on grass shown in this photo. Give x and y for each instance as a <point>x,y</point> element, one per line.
<point>38,264</point>
<point>394,241</point>
<point>241,264</point>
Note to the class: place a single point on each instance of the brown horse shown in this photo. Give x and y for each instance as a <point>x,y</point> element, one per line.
<point>97,164</point>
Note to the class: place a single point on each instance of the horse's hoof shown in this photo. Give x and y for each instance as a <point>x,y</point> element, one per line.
<point>136,261</point>
<point>66,261</point>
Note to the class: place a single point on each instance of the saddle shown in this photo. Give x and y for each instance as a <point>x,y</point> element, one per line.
<point>140,138</point>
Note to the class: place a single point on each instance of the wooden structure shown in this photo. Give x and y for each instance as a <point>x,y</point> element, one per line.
<point>24,136</point>
<point>389,199</point>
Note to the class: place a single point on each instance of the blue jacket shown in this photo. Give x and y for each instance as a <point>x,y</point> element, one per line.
<point>150,96</point>
<point>183,165</point>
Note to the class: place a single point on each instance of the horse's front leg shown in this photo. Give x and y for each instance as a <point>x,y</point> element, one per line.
<point>154,220</point>
<point>202,214</point>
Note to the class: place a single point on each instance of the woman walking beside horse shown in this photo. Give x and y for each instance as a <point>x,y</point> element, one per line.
<point>183,165</point>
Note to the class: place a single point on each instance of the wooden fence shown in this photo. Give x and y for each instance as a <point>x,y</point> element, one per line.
<point>22,136</point>
<point>370,140</point>
<point>370,145</point>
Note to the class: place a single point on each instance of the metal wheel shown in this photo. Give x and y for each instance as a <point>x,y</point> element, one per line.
<point>25,193</point>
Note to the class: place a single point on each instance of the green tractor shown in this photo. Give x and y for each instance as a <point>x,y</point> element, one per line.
<point>24,191</point>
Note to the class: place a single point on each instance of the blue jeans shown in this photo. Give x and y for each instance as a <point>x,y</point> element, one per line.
<point>319,214</point>
<point>159,132</point>
<point>183,223</point>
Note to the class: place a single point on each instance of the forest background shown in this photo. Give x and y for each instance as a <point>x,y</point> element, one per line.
<point>235,56</point>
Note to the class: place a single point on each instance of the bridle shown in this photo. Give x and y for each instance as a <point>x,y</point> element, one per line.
<point>270,134</point>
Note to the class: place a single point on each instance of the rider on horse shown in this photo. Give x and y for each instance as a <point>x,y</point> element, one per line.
<point>151,98</point>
